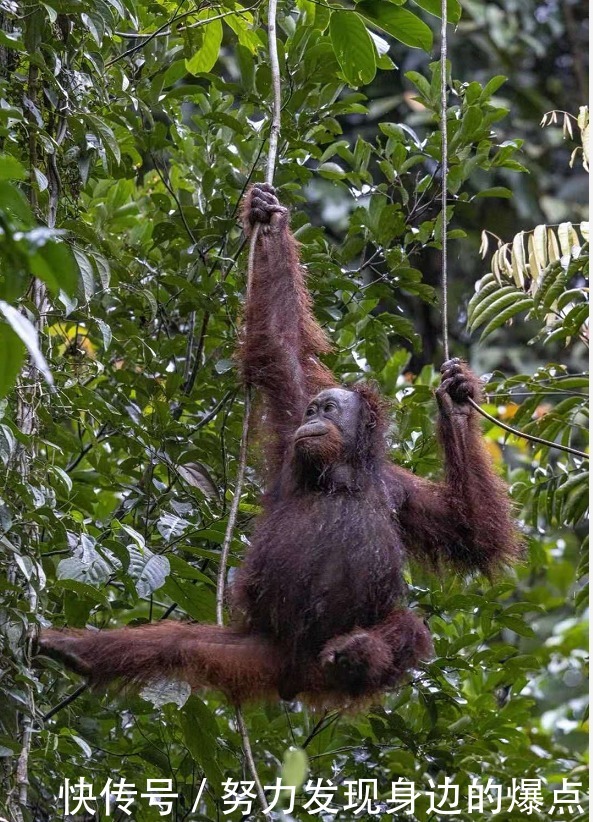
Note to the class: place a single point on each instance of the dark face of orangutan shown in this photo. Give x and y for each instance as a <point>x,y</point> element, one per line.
<point>328,431</point>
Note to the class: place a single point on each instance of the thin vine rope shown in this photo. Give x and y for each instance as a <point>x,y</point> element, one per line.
<point>444,271</point>
<point>271,165</point>
<point>531,437</point>
<point>228,536</point>
<point>224,554</point>
<point>445,177</point>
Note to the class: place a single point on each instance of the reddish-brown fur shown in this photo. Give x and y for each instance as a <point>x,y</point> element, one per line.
<point>319,603</point>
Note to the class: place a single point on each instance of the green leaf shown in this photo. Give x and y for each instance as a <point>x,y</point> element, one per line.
<point>488,285</point>
<point>174,73</point>
<point>87,273</point>
<point>27,332</point>
<point>95,24</point>
<point>353,47</point>
<point>546,279</point>
<point>515,624</point>
<point>247,33</point>
<point>90,568</point>
<point>206,56</point>
<point>197,475</point>
<point>399,22</point>
<point>11,40</point>
<point>105,333</point>
<point>377,344</point>
<point>82,589</point>
<point>434,7</point>
<point>131,532</point>
<point>470,126</point>
<point>491,302</point>
<point>11,169</point>
<point>421,84</point>
<point>331,171</point>
<point>58,259</point>
<point>41,179</point>
<point>401,326</point>
<point>12,355</point>
<point>495,191</point>
<point>295,767</point>
<point>107,136</point>
<point>492,87</point>
<point>63,476</point>
<point>517,307</point>
<point>14,203</point>
<point>196,600</point>
<point>200,731</point>
<point>103,270</point>
<point>149,571</point>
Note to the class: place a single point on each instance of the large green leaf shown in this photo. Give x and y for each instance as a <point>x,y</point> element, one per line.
<point>399,22</point>
<point>52,261</point>
<point>10,168</point>
<point>12,354</point>
<point>149,571</point>
<point>200,730</point>
<point>435,7</point>
<point>207,54</point>
<point>14,203</point>
<point>27,333</point>
<point>353,47</point>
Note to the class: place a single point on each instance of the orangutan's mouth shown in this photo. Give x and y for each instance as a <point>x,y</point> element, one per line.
<point>310,430</point>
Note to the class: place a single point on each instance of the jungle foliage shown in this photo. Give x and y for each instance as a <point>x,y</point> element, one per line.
<point>128,133</point>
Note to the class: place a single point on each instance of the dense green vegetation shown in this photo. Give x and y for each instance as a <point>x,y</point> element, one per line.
<point>128,133</point>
